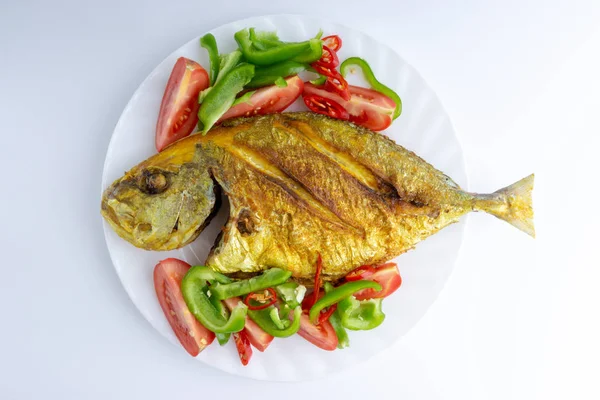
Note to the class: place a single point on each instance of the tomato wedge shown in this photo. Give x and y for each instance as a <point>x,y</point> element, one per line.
<point>178,114</point>
<point>387,275</point>
<point>366,107</point>
<point>322,335</point>
<point>334,42</point>
<point>167,281</point>
<point>243,346</point>
<point>325,106</point>
<point>268,100</point>
<point>258,338</point>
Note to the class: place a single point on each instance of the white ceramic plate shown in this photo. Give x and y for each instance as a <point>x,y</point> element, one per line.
<point>423,127</point>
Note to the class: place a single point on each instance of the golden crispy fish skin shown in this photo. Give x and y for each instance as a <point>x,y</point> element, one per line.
<point>298,184</point>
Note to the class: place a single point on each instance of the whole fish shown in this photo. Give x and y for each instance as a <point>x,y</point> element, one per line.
<point>298,184</point>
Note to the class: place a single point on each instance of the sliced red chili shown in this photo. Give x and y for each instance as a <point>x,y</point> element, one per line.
<point>325,70</point>
<point>334,42</point>
<point>324,316</point>
<point>243,346</point>
<point>317,287</point>
<point>261,299</point>
<point>325,106</point>
<point>329,59</point>
<point>337,84</point>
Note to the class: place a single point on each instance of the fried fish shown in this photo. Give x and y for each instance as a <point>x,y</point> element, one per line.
<point>298,184</point>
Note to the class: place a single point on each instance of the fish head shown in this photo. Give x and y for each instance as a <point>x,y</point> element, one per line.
<point>161,204</point>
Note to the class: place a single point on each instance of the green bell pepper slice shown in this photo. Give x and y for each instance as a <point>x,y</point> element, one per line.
<point>291,293</point>
<point>264,76</point>
<point>336,322</point>
<point>268,51</point>
<point>269,278</point>
<point>193,288</point>
<point>339,293</point>
<point>209,42</point>
<point>228,62</point>
<point>319,81</point>
<point>346,67</point>
<point>269,321</point>
<point>360,315</point>
<point>264,40</point>
<point>222,95</point>
<point>222,338</point>
<point>314,52</point>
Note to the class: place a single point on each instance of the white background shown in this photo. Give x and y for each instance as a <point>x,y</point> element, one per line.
<point>518,318</point>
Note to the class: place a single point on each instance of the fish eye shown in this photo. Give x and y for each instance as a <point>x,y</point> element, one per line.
<point>153,182</point>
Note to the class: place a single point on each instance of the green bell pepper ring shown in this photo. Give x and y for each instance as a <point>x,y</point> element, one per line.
<point>222,338</point>
<point>269,278</point>
<point>271,324</point>
<point>360,315</point>
<point>336,322</point>
<point>297,51</point>
<point>209,42</point>
<point>192,287</point>
<point>264,76</point>
<point>346,67</point>
<point>339,293</point>
<point>223,94</point>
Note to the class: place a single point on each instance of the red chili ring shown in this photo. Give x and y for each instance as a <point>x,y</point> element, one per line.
<point>334,42</point>
<point>252,296</point>
<point>329,59</point>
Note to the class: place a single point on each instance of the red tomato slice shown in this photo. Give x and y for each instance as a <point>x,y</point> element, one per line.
<point>243,346</point>
<point>268,100</point>
<point>167,281</point>
<point>334,42</point>
<point>258,338</point>
<point>366,107</point>
<point>325,106</point>
<point>322,335</point>
<point>179,108</point>
<point>387,275</point>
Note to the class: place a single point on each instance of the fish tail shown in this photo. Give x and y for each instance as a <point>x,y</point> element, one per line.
<point>512,204</point>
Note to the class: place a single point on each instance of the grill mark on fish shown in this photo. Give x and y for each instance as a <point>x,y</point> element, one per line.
<point>306,175</point>
<point>346,162</point>
<point>292,187</point>
<point>345,195</point>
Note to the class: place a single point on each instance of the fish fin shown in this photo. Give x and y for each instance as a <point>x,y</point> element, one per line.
<point>513,204</point>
